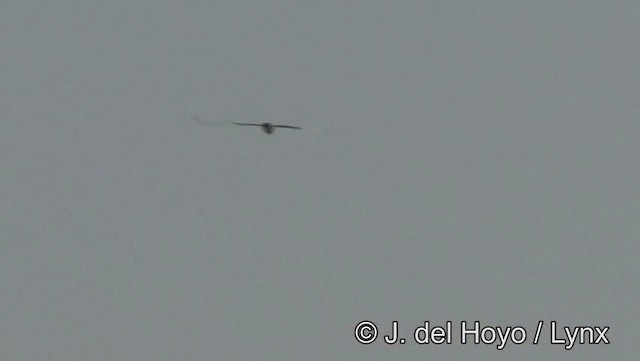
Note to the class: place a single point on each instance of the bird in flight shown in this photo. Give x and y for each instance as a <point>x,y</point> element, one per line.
<point>269,128</point>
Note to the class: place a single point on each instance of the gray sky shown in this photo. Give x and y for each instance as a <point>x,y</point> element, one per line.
<point>460,161</point>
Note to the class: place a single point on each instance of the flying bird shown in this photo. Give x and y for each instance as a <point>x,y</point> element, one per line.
<point>269,128</point>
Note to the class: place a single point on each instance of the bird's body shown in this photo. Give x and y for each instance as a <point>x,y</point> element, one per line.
<point>269,128</point>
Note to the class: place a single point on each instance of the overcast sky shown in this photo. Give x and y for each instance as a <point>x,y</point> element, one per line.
<point>460,160</point>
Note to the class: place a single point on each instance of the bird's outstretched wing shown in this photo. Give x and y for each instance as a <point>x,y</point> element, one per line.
<point>209,122</point>
<point>202,121</point>
<point>287,126</point>
<point>236,123</point>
